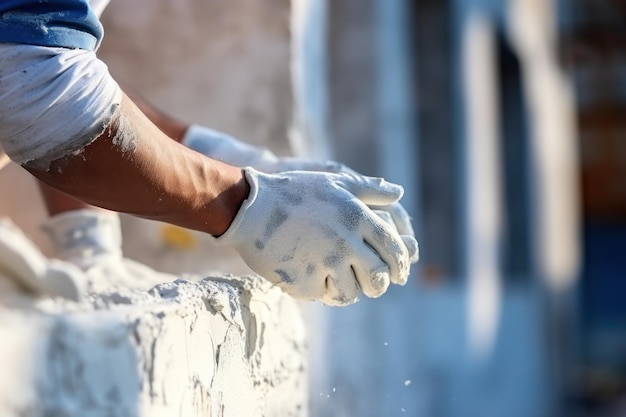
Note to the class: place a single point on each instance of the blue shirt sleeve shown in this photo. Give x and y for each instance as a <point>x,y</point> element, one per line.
<point>57,23</point>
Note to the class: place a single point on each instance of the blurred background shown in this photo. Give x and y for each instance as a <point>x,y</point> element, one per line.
<point>505,121</point>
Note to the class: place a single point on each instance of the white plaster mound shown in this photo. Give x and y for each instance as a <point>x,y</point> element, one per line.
<point>224,346</point>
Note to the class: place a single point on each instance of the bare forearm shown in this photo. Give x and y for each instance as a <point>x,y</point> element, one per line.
<point>172,127</point>
<point>58,202</point>
<point>134,167</point>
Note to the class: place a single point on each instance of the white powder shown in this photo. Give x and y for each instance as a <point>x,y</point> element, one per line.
<point>125,138</point>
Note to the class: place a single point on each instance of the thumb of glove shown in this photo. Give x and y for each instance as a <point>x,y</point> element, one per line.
<point>371,190</point>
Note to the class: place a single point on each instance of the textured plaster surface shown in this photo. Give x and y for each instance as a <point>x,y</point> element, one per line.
<point>224,346</point>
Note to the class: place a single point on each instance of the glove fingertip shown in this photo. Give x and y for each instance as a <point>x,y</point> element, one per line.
<point>404,268</point>
<point>412,247</point>
<point>382,192</point>
<point>392,188</point>
<point>379,284</point>
<point>371,190</point>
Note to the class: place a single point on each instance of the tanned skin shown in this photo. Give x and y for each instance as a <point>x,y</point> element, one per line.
<point>57,202</point>
<point>157,179</point>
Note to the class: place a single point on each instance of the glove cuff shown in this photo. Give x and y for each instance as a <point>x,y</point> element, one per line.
<point>236,232</point>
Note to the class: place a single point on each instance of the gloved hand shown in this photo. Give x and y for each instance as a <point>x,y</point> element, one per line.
<point>312,234</point>
<point>398,217</point>
<point>225,148</point>
<point>25,265</point>
<point>91,239</point>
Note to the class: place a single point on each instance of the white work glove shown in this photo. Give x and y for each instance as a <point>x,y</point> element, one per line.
<point>227,149</point>
<point>398,217</point>
<point>92,240</point>
<point>26,266</point>
<point>311,234</point>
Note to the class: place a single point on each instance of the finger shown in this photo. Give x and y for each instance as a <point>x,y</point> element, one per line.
<point>390,247</point>
<point>371,190</point>
<point>400,216</point>
<point>341,289</point>
<point>371,273</point>
<point>409,241</point>
<point>412,247</point>
<point>385,216</point>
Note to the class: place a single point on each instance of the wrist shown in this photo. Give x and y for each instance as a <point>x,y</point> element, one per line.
<point>228,203</point>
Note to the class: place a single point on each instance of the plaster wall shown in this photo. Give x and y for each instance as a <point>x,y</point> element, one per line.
<point>223,347</point>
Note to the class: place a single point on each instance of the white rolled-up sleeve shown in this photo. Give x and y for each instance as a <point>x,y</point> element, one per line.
<point>53,101</point>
